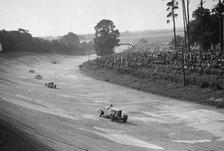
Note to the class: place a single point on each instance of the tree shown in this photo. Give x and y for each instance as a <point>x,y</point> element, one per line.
<point>204,28</point>
<point>201,23</point>
<point>172,6</point>
<point>218,10</point>
<point>22,40</point>
<point>70,39</point>
<point>186,20</point>
<point>106,37</point>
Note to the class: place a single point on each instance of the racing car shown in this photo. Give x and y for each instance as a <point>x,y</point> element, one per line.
<point>32,71</point>
<point>39,77</point>
<point>50,85</point>
<point>113,113</point>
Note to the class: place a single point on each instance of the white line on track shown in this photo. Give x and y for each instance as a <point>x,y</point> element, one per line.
<point>191,141</point>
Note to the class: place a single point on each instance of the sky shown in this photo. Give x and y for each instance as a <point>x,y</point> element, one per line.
<point>58,17</point>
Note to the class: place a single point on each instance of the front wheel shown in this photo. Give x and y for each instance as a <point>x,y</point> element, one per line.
<point>112,119</point>
<point>100,112</point>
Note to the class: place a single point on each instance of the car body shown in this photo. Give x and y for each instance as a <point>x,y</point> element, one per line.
<point>32,71</point>
<point>39,77</point>
<point>50,85</point>
<point>113,113</point>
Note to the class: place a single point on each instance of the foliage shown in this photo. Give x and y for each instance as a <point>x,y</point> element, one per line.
<point>70,39</point>
<point>143,41</point>
<point>210,28</point>
<point>219,8</point>
<point>218,11</point>
<point>179,41</point>
<point>106,37</point>
<point>172,6</point>
<point>22,40</point>
<point>87,45</point>
<point>142,66</point>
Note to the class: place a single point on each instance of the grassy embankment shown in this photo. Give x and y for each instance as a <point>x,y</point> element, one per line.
<point>162,81</point>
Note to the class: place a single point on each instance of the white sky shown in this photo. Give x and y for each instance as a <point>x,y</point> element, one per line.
<point>58,17</point>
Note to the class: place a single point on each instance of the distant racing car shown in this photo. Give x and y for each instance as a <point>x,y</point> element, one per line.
<point>113,113</point>
<point>32,71</point>
<point>50,85</point>
<point>39,77</point>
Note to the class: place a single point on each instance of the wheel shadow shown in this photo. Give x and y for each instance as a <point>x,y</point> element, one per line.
<point>124,123</point>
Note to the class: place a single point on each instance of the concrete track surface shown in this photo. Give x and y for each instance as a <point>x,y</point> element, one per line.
<point>65,119</point>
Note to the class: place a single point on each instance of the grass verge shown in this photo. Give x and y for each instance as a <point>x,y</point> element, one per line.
<point>153,83</point>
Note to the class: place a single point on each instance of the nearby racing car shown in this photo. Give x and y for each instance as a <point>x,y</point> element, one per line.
<point>50,85</point>
<point>113,114</point>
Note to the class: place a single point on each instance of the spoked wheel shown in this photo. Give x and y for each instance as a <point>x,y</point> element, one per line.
<point>125,118</point>
<point>100,112</point>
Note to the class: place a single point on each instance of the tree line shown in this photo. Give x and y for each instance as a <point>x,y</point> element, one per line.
<point>22,40</point>
<point>204,30</point>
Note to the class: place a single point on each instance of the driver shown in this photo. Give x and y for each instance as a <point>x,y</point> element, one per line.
<point>109,109</point>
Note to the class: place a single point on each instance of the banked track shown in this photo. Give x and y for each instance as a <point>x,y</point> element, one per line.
<point>66,118</point>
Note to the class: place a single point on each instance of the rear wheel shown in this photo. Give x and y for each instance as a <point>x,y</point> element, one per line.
<point>125,118</point>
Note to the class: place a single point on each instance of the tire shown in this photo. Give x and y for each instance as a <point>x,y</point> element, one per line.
<point>125,118</point>
<point>100,112</point>
<point>112,119</point>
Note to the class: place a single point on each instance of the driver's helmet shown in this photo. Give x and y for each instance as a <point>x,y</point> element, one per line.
<point>110,106</point>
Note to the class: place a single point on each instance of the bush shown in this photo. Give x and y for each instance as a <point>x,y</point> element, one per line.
<point>204,84</point>
<point>219,85</point>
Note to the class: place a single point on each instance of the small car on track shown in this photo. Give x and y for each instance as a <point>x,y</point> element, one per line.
<point>32,71</point>
<point>39,77</point>
<point>113,113</point>
<point>50,85</point>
